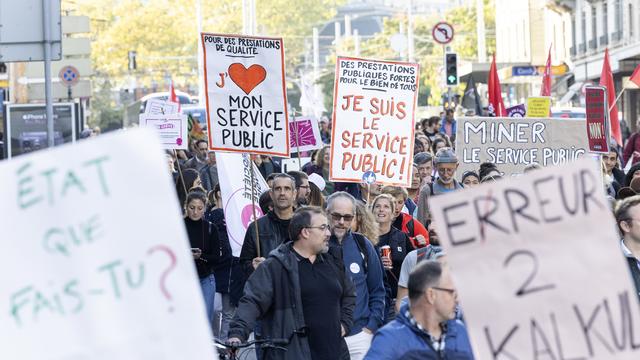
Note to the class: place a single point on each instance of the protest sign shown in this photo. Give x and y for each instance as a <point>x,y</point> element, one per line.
<point>305,135</point>
<point>294,164</point>
<point>597,119</point>
<point>246,98</point>
<point>172,129</point>
<point>538,266</point>
<point>539,107</point>
<point>161,107</point>
<point>514,143</point>
<point>96,266</point>
<point>373,120</point>
<point>235,188</point>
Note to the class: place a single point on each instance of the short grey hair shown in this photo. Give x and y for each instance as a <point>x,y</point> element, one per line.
<point>341,195</point>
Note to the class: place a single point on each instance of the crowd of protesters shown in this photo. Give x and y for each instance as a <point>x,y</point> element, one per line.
<point>348,270</point>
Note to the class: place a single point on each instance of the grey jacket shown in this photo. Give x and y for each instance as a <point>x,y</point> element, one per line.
<point>272,295</point>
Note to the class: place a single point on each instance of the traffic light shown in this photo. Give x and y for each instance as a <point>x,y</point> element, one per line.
<point>132,60</point>
<point>451,66</point>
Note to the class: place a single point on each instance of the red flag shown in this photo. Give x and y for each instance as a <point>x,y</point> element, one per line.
<point>546,77</point>
<point>606,79</point>
<point>172,95</point>
<point>635,77</point>
<point>496,105</point>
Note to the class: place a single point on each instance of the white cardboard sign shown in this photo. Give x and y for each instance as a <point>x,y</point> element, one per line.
<point>539,268</point>
<point>235,187</point>
<point>373,120</point>
<point>160,107</point>
<point>172,129</point>
<point>96,268</point>
<point>246,97</point>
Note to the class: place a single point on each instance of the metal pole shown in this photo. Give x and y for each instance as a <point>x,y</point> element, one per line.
<point>482,47</point>
<point>201,97</point>
<point>46,7</point>
<point>411,49</point>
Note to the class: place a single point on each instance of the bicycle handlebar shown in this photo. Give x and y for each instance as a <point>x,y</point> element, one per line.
<point>263,342</point>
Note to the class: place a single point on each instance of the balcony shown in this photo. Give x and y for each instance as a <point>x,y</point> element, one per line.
<point>582,48</point>
<point>604,40</point>
<point>616,36</point>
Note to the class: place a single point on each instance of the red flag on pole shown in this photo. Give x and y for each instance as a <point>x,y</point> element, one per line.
<point>496,104</point>
<point>546,77</point>
<point>606,79</point>
<point>172,95</point>
<point>635,77</point>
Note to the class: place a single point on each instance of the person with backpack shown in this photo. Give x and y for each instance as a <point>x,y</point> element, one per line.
<point>446,162</point>
<point>300,293</point>
<point>362,264</point>
<point>404,222</point>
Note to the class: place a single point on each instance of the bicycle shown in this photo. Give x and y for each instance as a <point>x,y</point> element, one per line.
<point>230,351</point>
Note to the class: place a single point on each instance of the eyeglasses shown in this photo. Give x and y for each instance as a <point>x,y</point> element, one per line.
<point>337,217</point>
<point>322,227</point>
<point>450,291</point>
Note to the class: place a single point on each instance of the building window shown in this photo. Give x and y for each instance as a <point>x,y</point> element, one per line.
<point>618,27</point>
<point>605,17</point>
<point>583,25</point>
<point>594,20</point>
<point>631,20</point>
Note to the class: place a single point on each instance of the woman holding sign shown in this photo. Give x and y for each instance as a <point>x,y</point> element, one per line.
<point>205,246</point>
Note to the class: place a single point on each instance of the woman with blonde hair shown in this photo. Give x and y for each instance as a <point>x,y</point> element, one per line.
<point>365,224</point>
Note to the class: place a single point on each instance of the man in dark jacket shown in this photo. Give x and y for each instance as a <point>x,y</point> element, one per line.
<point>362,263</point>
<point>199,159</point>
<point>209,173</point>
<point>273,228</point>
<point>301,293</point>
<point>426,328</point>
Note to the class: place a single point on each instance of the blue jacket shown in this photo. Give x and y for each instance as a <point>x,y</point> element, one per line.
<point>454,127</point>
<point>400,339</point>
<point>370,292</point>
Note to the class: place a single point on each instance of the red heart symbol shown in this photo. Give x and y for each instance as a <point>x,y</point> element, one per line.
<point>247,79</point>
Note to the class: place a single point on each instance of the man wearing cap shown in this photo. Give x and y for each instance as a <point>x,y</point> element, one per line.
<point>446,163</point>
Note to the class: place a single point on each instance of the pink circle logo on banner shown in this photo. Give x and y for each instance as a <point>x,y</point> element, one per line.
<point>179,141</point>
<point>247,214</point>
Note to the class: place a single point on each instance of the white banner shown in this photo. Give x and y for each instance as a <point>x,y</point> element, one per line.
<point>373,120</point>
<point>235,188</point>
<point>246,97</point>
<point>172,129</point>
<point>539,268</point>
<point>95,268</point>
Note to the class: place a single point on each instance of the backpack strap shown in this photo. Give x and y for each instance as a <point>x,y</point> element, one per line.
<point>362,247</point>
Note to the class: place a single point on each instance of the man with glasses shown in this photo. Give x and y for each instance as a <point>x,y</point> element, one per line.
<point>362,263</point>
<point>425,328</point>
<point>446,163</point>
<point>628,220</point>
<point>302,186</point>
<point>199,159</point>
<point>300,292</point>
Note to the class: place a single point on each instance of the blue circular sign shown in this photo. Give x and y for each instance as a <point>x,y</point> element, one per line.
<point>369,177</point>
<point>69,75</point>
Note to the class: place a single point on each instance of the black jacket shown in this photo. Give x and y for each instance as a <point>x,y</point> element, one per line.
<point>272,295</point>
<point>273,232</point>
<point>204,236</point>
